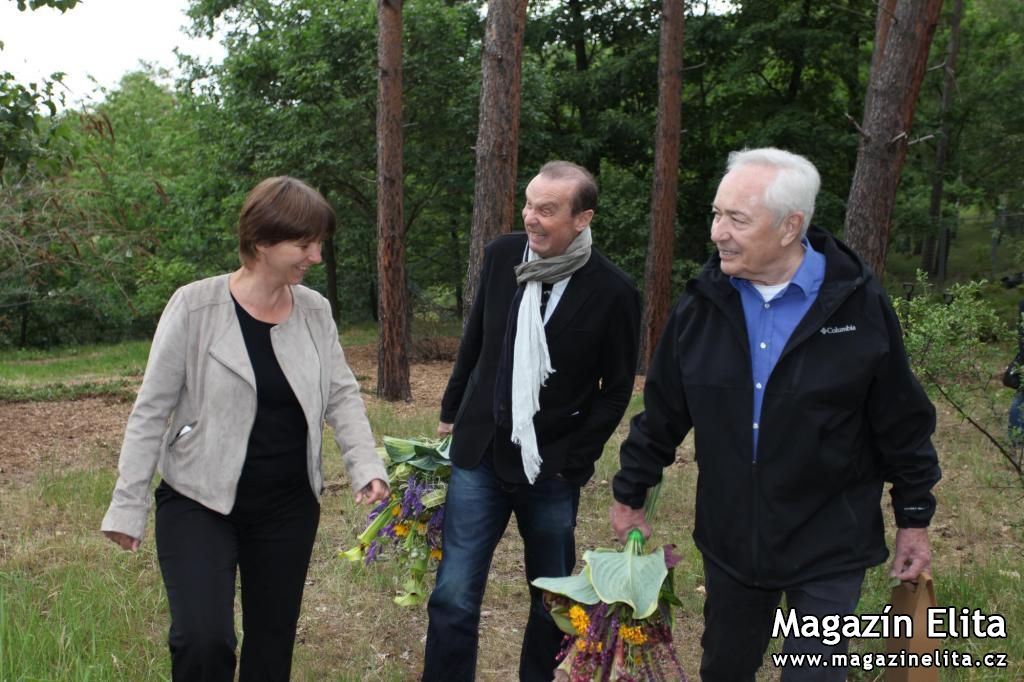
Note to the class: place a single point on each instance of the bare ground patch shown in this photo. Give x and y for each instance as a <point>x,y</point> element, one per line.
<point>60,434</point>
<point>57,435</point>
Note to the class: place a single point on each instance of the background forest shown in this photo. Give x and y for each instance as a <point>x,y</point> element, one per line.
<point>107,207</point>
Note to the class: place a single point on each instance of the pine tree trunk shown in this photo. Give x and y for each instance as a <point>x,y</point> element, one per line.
<point>903,34</point>
<point>497,142</point>
<point>393,344</point>
<point>660,246</point>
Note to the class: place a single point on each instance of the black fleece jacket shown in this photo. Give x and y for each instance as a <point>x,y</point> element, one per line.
<point>842,414</point>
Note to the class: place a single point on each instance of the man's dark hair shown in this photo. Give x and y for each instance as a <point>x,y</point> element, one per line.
<point>585,197</point>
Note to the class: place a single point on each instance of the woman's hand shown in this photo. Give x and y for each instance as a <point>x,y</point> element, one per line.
<point>125,541</point>
<point>375,491</point>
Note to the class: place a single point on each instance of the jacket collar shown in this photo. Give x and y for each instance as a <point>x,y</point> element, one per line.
<point>576,294</point>
<point>844,273</point>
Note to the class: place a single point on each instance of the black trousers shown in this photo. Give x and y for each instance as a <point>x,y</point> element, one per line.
<point>738,623</point>
<point>200,551</point>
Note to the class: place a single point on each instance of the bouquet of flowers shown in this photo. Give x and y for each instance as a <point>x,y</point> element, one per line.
<point>617,614</point>
<point>407,525</point>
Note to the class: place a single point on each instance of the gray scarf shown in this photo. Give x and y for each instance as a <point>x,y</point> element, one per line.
<point>550,270</point>
<point>531,363</point>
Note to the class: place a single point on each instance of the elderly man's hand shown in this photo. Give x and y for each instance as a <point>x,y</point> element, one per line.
<point>625,519</point>
<point>913,555</point>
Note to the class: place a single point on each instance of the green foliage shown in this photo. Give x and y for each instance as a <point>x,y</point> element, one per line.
<point>62,5</point>
<point>25,135</point>
<point>104,211</point>
<point>948,341</point>
<point>986,131</point>
<point>299,97</point>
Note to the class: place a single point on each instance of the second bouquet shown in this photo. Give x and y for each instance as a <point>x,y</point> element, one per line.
<point>407,526</point>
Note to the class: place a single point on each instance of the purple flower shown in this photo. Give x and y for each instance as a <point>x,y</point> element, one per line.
<point>372,552</point>
<point>412,503</point>
<point>434,527</point>
<point>375,512</point>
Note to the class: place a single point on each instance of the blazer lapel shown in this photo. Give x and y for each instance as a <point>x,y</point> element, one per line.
<point>576,294</point>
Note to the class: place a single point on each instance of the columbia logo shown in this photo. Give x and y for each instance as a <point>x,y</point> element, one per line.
<point>839,330</point>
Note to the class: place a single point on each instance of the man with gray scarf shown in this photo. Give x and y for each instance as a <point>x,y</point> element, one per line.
<point>544,373</point>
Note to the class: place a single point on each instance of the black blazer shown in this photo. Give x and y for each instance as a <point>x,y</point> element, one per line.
<point>593,338</point>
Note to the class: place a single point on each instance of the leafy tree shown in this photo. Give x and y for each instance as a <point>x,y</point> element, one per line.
<point>24,133</point>
<point>946,339</point>
<point>982,130</point>
<point>296,95</point>
<point>96,249</point>
<point>783,74</point>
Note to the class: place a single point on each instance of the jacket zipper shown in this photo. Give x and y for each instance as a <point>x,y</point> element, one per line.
<point>754,522</point>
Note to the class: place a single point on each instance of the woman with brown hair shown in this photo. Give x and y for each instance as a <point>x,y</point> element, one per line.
<point>243,371</point>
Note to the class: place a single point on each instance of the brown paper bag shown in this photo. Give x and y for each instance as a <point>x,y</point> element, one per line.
<point>913,600</point>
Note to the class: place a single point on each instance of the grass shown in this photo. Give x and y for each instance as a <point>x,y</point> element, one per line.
<point>80,363</point>
<point>73,372</point>
<point>75,608</point>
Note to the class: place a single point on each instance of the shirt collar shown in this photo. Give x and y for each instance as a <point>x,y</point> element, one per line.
<point>808,276</point>
<point>811,272</point>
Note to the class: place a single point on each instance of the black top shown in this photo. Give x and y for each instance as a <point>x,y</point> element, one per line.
<point>275,460</point>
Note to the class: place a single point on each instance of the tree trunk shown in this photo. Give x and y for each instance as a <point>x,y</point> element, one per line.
<point>457,250</point>
<point>948,87</point>
<point>799,54</point>
<point>591,157</point>
<point>903,34</point>
<point>497,142</point>
<point>393,344</point>
<point>658,269</point>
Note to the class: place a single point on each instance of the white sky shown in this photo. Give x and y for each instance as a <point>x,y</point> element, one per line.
<point>103,39</point>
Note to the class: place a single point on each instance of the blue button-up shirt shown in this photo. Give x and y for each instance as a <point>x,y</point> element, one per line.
<point>771,323</point>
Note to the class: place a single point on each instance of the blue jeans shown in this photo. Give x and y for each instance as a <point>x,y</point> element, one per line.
<point>477,511</point>
<point>1016,425</point>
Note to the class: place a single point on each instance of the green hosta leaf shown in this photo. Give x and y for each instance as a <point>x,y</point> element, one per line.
<point>423,454</point>
<point>427,451</point>
<point>399,449</point>
<point>429,462</point>
<point>627,577</point>
<point>576,587</point>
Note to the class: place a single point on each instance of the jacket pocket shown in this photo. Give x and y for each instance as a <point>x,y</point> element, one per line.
<point>183,432</point>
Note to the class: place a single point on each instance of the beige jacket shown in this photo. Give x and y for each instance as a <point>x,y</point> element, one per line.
<point>196,407</point>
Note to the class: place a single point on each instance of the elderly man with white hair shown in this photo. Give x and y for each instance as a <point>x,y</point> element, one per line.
<point>786,359</point>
